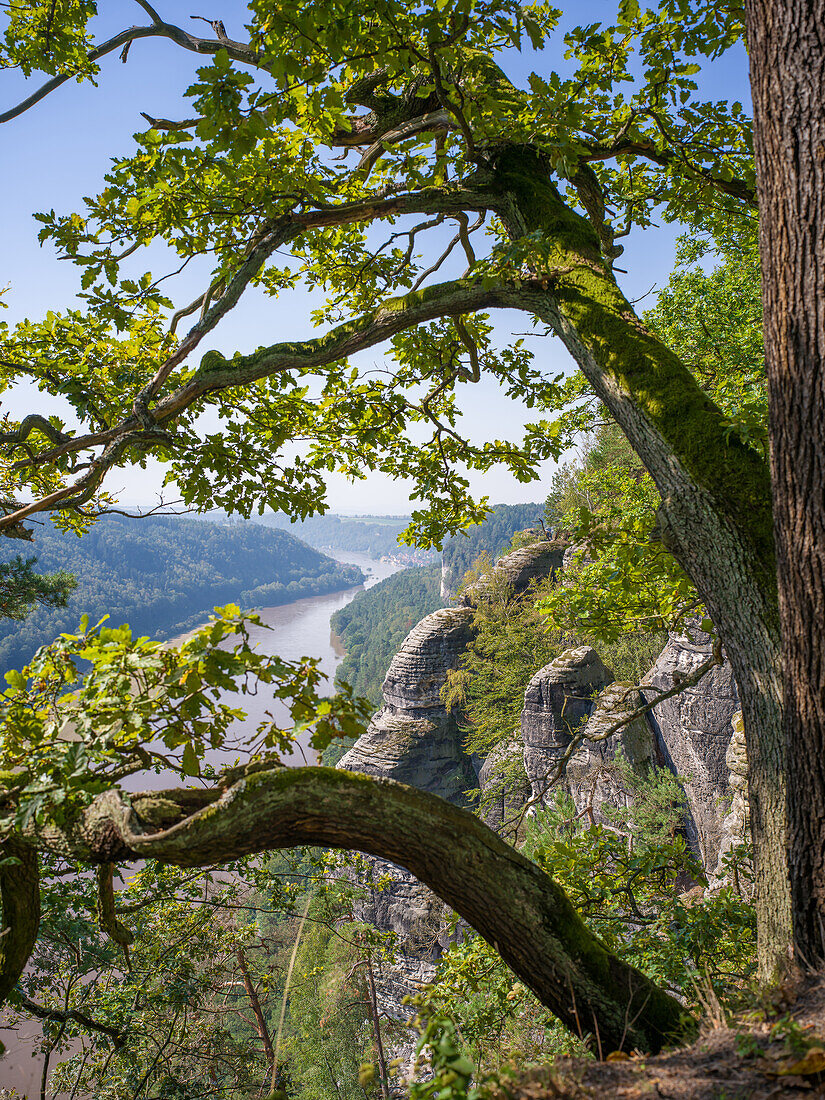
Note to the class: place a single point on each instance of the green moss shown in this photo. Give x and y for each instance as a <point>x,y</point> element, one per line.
<point>659,384</point>
<point>212,361</point>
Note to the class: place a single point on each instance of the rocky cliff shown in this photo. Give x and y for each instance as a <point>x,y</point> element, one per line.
<point>414,739</point>
<point>693,731</point>
<point>516,571</point>
<point>595,773</point>
<point>557,701</point>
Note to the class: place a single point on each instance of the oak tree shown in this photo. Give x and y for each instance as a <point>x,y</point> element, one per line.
<point>362,150</point>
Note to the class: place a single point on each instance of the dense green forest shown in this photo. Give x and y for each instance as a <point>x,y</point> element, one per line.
<point>375,624</point>
<point>490,537</point>
<point>163,574</point>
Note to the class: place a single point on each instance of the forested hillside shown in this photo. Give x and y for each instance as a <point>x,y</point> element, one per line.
<point>375,624</point>
<point>163,574</point>
<point>490,537</point>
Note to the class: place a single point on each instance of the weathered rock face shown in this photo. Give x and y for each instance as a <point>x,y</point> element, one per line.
<point>593,776</point>
<point>413,738</point>
<point>693,731</point>
<point>517,570</point>
<point>736,822</point>
<point>557,700</point>
<point>505,788</point>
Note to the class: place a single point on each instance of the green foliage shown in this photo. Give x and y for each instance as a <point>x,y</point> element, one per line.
<point>330,1036</point>
<point>164,574</point>
<point>132,704</point>
<point>162,995</point>
<point>21,589</point>
<point>373,626</point>
<point>179,998</point>
<point>511,641</point>
<point>248,192</point>
<point>638,886</point>
<point>607,502</point>
<point>177,1006</point>
<point>450,1071</point>
<point>499,1021</point>
<point>50,36</point>
<point>622,580</point>
<point>513,637</point>
<point>713,320</point>
<point>246,188</point>
<point>622,876</point>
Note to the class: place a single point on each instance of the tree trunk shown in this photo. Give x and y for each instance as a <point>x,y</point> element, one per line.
<point>255,1004</point>
<point>787,47</point>
<point>510,901</point>
<point>372,1000</point>
<point>20,899</point>
<point>716,512</point>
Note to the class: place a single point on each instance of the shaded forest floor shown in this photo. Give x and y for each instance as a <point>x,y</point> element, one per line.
<point>780,1056</point>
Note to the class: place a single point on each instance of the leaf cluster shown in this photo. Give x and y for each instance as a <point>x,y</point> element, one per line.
<point>99,705</point>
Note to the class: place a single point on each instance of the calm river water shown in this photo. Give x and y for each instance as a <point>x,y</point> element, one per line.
<point>294,630</point>
<point>299,629</point>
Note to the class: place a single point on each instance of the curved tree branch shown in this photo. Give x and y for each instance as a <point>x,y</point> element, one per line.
<point>665,158</point>
<point>394,315</point>
<point>236,50</point>
<point>72,1015</point>
<point>510,901</point>
<point>217,373</point>
<point>30,423</point>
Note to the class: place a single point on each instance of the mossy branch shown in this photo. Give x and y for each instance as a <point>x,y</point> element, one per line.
<point>510,901</point>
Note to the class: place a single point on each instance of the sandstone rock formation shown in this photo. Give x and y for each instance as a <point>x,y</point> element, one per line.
<point>517,570</point>
<point>735,824</point>
<point>557,700</point>
<point>693,731</point>
<point>593,775</point>
<point>413,738</point>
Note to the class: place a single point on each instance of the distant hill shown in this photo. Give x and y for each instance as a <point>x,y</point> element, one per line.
<point>164,574</point>
<point>490,537</point>
<point>373,535</point>
<point>377,621</point>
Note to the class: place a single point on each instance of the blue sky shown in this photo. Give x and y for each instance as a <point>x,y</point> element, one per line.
<point>59,150</point>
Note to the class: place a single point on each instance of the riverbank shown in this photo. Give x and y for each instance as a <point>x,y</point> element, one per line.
<point>294,630</point>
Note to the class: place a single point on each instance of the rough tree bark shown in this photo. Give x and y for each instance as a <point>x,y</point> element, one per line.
<point>257,1010</point>
<point>716,512</point>
<point>787,50</point>
<point>510,901</point>
<point>20,900</point>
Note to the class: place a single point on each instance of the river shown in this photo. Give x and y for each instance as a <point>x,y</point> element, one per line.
<point>294,630</point>
<point>299,629</point>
